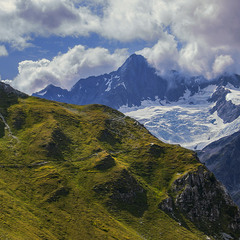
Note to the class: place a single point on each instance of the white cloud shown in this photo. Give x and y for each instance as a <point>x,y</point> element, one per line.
<point>206,28</point>
<point>3,51</point>
<point>221,63</point>
<point>23,19</point>
<point>126,20</point>
<point>65,69</point>
<point>163,55</point>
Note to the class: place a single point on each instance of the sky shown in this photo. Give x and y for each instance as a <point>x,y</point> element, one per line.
<point>60,41</point>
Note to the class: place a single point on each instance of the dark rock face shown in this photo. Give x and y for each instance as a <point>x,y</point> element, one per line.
<point>204,201</point>
<point>226,109</point>
<point>2,127</point>
<point>7,89</point>
<point>8,96</point>
<point>223,159</point>
<point>167,205</point>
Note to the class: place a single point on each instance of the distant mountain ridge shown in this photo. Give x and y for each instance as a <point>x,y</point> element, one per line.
<point>132,83</point>
<point>136,81</point>
<point>222,157</point>
<point>136,87</point>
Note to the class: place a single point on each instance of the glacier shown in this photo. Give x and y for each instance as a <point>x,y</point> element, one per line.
<point>188,121</point>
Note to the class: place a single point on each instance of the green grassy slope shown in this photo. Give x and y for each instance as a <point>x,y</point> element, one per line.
<point>86,172</point>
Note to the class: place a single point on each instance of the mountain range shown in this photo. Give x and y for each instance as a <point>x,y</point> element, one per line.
<point>191,111</point>
<point>90,172</point>
<point>134,82</point>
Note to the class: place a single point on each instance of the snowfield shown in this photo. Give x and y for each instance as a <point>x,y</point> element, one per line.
<point>187,122</point>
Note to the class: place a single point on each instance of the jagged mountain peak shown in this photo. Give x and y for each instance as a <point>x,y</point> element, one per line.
<point>53,92</point>
<point>136,64</point>
<point>227,78</point>
<point>50,87</point>
<point>134,83</point>
<point>134,61</point>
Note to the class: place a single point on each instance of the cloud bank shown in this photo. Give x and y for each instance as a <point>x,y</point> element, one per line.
<point>197,37</point>
<point>66,69</point>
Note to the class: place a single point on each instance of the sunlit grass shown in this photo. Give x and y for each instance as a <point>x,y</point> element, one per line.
<point>48,178</point>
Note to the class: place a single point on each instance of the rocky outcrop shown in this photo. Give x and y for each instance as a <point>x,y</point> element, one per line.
<point>167,205</point>
<point>8,96</point>
<point>226,110</point>
<point>7,89</point>
<point>204,201</point>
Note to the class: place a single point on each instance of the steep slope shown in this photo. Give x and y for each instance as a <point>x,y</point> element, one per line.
<point>90,172</point>
<point>223,159</point>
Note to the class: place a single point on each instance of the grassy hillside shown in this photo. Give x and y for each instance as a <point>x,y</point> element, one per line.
<point>87,172</point>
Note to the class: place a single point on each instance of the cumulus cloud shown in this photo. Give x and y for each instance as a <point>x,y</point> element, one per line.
<point>3,51</point>
<point>221,63</point>
<point>206,29</point>
<point>23,19</point>
<point>163,55</point>
<point>127,20</point>
<point>65,69</point>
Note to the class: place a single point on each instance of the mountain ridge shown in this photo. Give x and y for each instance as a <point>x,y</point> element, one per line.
<point>90,172</point>
<point>178,109</point>
<point>131,83</point>
<point>222,158</point>
<point>136,81</point>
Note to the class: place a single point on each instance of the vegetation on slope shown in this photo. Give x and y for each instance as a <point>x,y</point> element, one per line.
<point>87,172</point>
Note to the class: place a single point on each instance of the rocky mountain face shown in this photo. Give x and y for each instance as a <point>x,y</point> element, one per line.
<point>90,172</point>
<point>223,159</point>
<point>226,109</point>
<point>194,193</point>
<point>132,83</point>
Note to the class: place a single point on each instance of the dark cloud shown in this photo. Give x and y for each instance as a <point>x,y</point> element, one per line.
<point>50,16</point>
